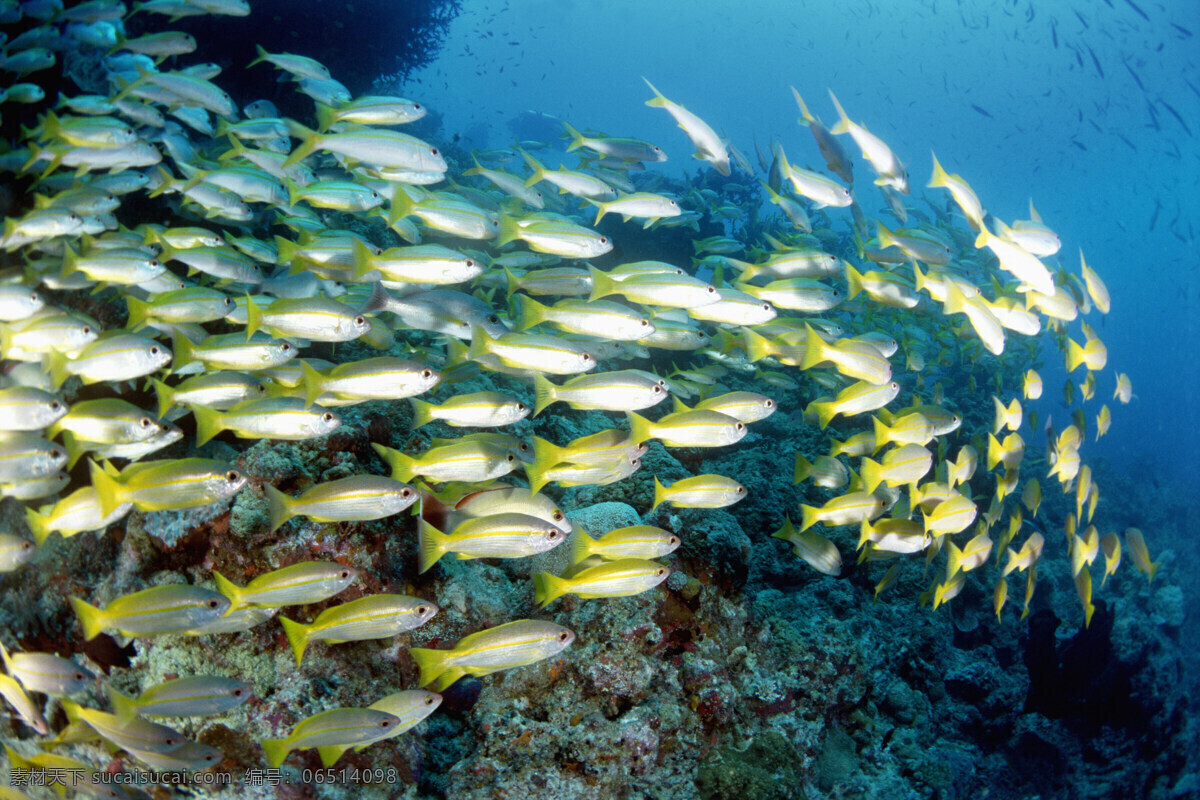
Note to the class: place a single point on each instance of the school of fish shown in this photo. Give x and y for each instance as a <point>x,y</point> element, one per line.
<point>221,307</point>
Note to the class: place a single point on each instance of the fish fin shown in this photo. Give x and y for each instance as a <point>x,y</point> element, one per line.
<point>108,489</point>
<point>640,428</point>
<point>313,382</point>
<point>276,750</point>
<point>403,466</point>
<point>658,101</point>
<point>279,505</point>
<point>547,588</point>
<point>545,456</point>
<point>330,753</point>
<point>603,284</point>
<point>230,590</point>
<point>432,546</point>
<point>660,492</point>
<point>480,343</point>
<point>529,312</point>
<point>432,663</point>
<point>124,706</point>
<point>208,423</point>
<point>422,412</point>
<point>871,472</point>
<point>40,524</point>
<point>843,123</point>
<point>581,547</point>
<point>544,393</point>
<point>803,469</point>
<point>808,517</point>
<point>90,618</point>
<point>165,395</point>
<point>576,138</point>
<point>309,141</point>
<point>297,636</point>
<point>184,352</point>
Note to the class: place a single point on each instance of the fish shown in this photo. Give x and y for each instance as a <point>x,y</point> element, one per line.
<point>817,551</point>
<point>157,610</point>
<point>375,616</point>
<point>409,707</point>
<point>300,584</point>
<point>506,535</point>
<point>709,146</point>
<point>620,578</point>
<point>196,696</point>
<point>644,542</point>
<point>334,727</point>
<point>700,491</point>
<point>513,644</point>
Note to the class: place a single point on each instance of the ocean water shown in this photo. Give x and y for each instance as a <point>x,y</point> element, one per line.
<point>749,672</point>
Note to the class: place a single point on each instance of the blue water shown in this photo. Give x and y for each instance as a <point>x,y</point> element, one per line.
<point>916,73</point>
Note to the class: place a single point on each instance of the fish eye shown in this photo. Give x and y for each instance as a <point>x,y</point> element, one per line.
<point>770,404</point>
<point>644,322</point>
<point>521,406</point>
<point>26,545</point>
<point>494,319</point>
<point>232,476</point>
<point>209,757</point>
<point>470,262</point>
<point>433,150</point>
<point>214,603</point>
<point>237,692</point>
<point>741,490</point>
<point>154,350</point>
<point>87,329</point>
<point>562,637</point>
<point>661,571</point>
<point>405,493</point>
<point>285,348</point>
<point>170,740</point>
<point>344,574</point>
<point>739,427</point>
<point>428,701</point>
<point>558,515</point>
<point>327,417</point>
<point>55,405</point>
<point>153,262</point>
<point>360,320</point>
<point>673,540</point>
<point>766,306</point>
<point>33,298</point>
<point>510,458</point>
<point>79,676</point>
<point>228,301</point>
<point>387,723</point>
<point>524,448</point>
<point>657,389</point>
<point>710,289</point>
<point>145,422</point>
<point>586,356</point>
<point>56,453</point>
<point>421,610</point>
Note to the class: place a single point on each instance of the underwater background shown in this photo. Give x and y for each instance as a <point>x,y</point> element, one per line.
<point>755,669</point>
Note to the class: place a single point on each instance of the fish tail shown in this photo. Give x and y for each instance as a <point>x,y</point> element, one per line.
<point>400,207</point>
<point>276,750</point>
<point>545,456</point>
<point>297,636</point>
<point>576,137</point>
<point>547,588</point>
<point>123,705</point>
<point>230,589</point>
<point>39,524</point>
<point>1074,356</point>
<point>481,342</point>
<point>262,56</point>
<point>56,367</point>
<point>602,284</point>
<point>543,391</point>
<point>314,383</point>
<point>807,117</point>
<point>377,301</point>
<point>422,412</point>
<point>74,448</point>
<point>208,423</point>
<point>184,352</point>
<point>825,411</point>
<point>940,177</point>
<point>853,280</point>
<point>814,348</point>
<point>808,517</point>
<point>756,345</point>
<point>660,493</point>
<point>138,311</point>
<point>802,470</point>
<point>279,506</point>
<point>253,316</point>
<point>309,140</point>
<point>539,172</point>
<point>325,117</point>
<point>864,533</point>
<point>431,662</point>
<point>432,546</point>
<point>658,101</point>
<point>108,489</point>
<point>882,433</point>
<point>843,123</point>
<point>529,312</point>
<point>872,474</point>
<point>582,546</point>
<point>403,466</point>
<point>601,210</point>
<point>90,618</point>
<point>640,428</point>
